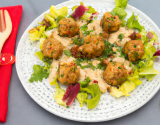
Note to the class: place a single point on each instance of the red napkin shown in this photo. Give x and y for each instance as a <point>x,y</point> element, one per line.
<point>15,13</point>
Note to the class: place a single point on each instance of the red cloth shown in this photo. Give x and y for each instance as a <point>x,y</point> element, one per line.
<point>15,13</point>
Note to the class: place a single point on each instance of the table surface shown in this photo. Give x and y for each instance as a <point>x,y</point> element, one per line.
<point>22,110</point>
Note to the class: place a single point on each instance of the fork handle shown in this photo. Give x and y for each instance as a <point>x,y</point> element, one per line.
<point>6,33</point>
<point>2,41</point>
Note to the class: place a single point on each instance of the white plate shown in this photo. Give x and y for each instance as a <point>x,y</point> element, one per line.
<point>109,107</point>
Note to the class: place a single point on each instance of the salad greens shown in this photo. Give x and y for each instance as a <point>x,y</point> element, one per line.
<point>121,3</point>
<point>127,86</point>
<point>96,94</point>
<point>40,72</point>
<point>36,33</point>
<point>59,93</point>
<point>55,13</point>
<point>67,52</point>
<point>88,15</point>
<point>85,82</point>
<point>121,13</point>
<point>142,68</point>
<point>119,10</point>
<point>51,20</point>
<point>82,98</point>
<point>132,22</point>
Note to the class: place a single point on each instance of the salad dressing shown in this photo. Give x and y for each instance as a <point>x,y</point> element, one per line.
<point>65,41</point>
<point>88,72</point>
<point>122,30</point>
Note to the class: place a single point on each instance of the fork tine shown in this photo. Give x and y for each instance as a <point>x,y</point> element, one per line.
<point>7,28</point>
<point>2,21</point>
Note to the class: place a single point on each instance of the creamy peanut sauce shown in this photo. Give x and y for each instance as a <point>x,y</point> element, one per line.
<point>114,36</point>
<point>95,26</point>
<point>123,61</point>
<point>81,22</point>
<point>88,72</point>
<point>64,40</point>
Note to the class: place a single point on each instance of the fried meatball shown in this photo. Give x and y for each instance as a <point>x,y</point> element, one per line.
<point>68,73</point>
<point>115,73</point>
<point>93,47</point>
<point>68,27</point>
<point>134,49</point>
<point>52,48</point>
<point>110,23</point>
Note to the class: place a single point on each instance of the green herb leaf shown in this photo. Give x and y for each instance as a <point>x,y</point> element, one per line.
<point>78,42</point>
<point>87,32</point>
<point>85,82</point>
<point>108,49</point>
<point>67,52</point>
<point>40,72</point>
<point>84,27</point>
<point>121,36</point>
<point>100,66</point>
<point>119,67</point>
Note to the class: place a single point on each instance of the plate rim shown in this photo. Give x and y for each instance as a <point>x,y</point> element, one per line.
<point>86,120</point>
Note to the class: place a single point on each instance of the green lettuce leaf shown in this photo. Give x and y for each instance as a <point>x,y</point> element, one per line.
<point>85,82</point>
<point>94,90</point>
<point>49,18</point>
<point>143,35</point>
<point>82,97</point>
<point>74,7</point>
<point>116,92</point>
<point>149,49</point>
<point>147,70</point>
<point>127,87</point>
<point>121,3</point>
<point>150,77</point>
<point>121,14</point>
<point>41,43</point>
<point>36,33</point>
<point>58,12</point>
<point>132,22</point>
<point>91,9</point>
<point>41,56</point>
<point>86,16</point>
<point>155,38</point>
<point>59,93</point>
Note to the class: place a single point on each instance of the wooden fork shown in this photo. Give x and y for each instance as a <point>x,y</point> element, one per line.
<point>5,27</point>
<point>5,31</point>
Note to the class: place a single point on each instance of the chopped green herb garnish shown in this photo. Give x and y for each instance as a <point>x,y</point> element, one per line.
<point>87,32</point>
<point>78,42</point>
<point>61,75</point>
<point>121,36</point>
<point>67,52</point>
<point>119,67</point>
<point>84,27</point>
<point>109,25</point>
<point>39,73</point>
<point>108,50</point>
<point>100,66</point>
<point>47,60</point>
<point>114,63</point>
